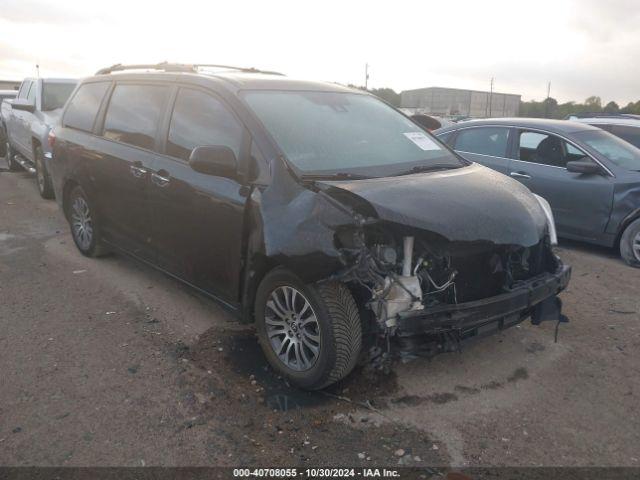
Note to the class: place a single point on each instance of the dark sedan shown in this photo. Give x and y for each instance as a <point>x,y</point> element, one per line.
<point>590,177</point>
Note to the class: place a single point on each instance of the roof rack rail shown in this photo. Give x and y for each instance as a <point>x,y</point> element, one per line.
<point>178,67</point>
<point>240,69</point>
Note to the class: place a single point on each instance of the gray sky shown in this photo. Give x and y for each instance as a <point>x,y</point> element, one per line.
<point>584,47</point>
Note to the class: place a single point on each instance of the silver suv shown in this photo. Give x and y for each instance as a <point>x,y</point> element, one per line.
<point>623,125</point>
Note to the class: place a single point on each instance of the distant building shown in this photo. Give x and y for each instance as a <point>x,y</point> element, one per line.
<point>452,102</point>
<point>9,85</point>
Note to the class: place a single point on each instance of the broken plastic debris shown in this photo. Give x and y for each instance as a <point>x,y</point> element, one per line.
<point>76,272</point>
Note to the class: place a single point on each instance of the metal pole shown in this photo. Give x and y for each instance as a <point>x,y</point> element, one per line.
<point>546,103</point>
<point>366,76</point>
<point>37,70</point>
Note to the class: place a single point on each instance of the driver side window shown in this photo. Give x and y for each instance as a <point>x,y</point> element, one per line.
<point>201,119</point>
<point>574,154</point>
<point>547,149</point>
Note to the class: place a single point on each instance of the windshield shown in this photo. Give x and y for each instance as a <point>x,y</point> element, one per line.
<point>55,94</point>
<point>618,151</point>
<point>330,133</point>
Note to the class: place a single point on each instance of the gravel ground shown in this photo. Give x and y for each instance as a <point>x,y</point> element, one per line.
<point>108,362</point>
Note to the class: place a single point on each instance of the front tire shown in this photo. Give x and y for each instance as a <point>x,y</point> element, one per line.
<point>43,178</point>
<point>310,334</point>
<point>630,244</point>
<point>85,229</point>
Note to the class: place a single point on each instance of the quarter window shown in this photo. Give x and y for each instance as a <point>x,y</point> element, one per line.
<point>83,108</point>
<point>134,113</point>
<point>199,119</point>
<point>485,141</point>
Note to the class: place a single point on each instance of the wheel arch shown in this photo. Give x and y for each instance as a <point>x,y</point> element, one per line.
<point>35,143</point>
<point>628,220</point>
<point>257,268</point>
<point>69,185</point>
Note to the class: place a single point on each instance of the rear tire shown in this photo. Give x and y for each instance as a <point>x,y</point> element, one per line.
<point>85,228</point>
<point>325,332</point>
<point>9,154</point>
<point>43,178</point>
<point>630,244</point>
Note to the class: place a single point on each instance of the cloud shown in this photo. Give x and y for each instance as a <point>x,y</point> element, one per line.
<point>605,20</point>
<point>41,11</point>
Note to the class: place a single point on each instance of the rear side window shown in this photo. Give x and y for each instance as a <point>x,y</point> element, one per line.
<point>200,119</point>
<point>485,141</point>
<point>55,94</point>
<point>83,108</point>
<point>134,113</point>
<point>627,133</point>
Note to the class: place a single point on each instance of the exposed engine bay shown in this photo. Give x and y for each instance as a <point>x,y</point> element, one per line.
<point>404,270</point>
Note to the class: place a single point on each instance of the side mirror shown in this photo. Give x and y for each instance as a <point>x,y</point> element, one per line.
<point>215,160</point>
<point>22,104</point>
<point>583,166</point>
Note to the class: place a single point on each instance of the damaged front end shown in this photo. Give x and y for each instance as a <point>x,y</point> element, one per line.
<point>431,260</point>
<point>427,292</point>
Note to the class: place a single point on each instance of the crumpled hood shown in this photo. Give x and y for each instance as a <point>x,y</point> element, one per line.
<point>470,204</point>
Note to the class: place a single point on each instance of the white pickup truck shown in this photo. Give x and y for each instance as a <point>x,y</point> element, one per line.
<point>27,121</point>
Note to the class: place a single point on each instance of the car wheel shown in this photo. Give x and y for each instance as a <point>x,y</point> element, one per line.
<point>85,229</point>
<point>630,244</point>
<point>9,154</point>
<point>42,176</point>
<point>311,334</point>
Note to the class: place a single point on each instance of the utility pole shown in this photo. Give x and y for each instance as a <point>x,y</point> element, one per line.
<point>491,97</point>
<point>546,103</point>
<point>366,76</point>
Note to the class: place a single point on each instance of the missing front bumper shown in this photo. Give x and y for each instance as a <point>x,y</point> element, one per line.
<point>490,314</point>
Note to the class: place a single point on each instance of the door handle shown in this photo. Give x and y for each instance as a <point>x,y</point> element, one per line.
<point>160,180</point>
<point>137,172</point>
<point>519,175</point>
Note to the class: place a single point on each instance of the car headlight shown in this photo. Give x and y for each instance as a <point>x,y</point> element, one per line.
<point>553,236</point>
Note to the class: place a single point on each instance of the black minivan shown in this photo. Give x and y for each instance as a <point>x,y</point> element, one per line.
<point>331,220</point>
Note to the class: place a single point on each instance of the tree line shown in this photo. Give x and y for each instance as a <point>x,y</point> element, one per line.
<point>548,108</point>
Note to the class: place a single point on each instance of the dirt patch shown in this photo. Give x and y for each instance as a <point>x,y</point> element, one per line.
<point>225,381</point>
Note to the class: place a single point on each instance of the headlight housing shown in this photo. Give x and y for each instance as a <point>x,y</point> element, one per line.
<point>553,236</point>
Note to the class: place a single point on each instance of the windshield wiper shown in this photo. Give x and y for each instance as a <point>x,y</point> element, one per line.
<point>333,176</point>
<point>428,168</point>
